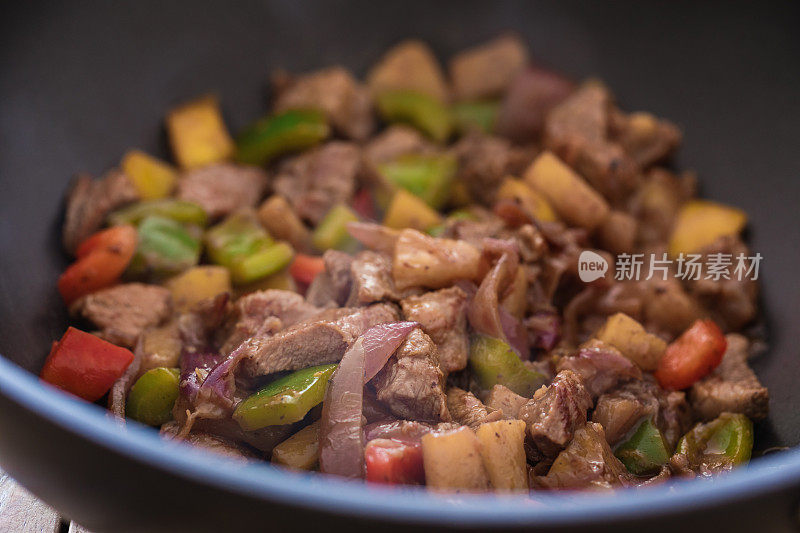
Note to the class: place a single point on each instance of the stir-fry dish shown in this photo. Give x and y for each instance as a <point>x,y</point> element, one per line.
<point>381,280</point>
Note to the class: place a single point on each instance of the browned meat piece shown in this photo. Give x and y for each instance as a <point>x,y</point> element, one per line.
<point>487,70</point>
<point>212,443</point>
<point>531,95</point>
<point>645,138</point>
<point>555,412</point>
<point>335,92</point>
<point>250,312</point>
<point>668,309</point>
<point>617,233</point>
<point>315,181</point>
<point>320,340</point>
<point>732,387</point>
<point>409,65</point>
<point>321,292</point>
<point>263,440</point>
<point>483,163</point>
<point>587,463</point>
<point>656,203</point>
<point>90,201</point>
<point>332,287</point>
<point>731,302</point>
<point>411,384</point>
<point>620,410</point>
<point>601,366</point>
<point>197,327</point>
<point>576,130</point>
<point>504,399</point>
<point>124,311</point>
<point>222,188</point>
<point>371,273</point>
<point>442,314</point>
<point>467,410</point>
<point>395,141</point>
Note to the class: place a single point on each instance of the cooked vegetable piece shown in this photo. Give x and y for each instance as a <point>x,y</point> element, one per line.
<point>495,363</point>
<point>480,115</point>
<point>515,300</point>
<point>529,200</point>
<point>629,337</point>
<point>153,178</point>
<point>393,462</point>
<point>198,283</point>
<point>409,211</point>
<point>410,65</point>
<point>452,461</point>
<point>574,200</point>
<point>165,247</point>
<point>85,365</point>
<point>692,356</point>
<point>305,268</point>
<point>701,222</point>
<point>285,400</point>
<point>331,232</point>
<point>503,453</point>
<point>301,450</point>
<point>197,133</point>
<point>427,176</point>
<point>263,263</point>
<point>423,261</point>
<point>177,210</point>
<point>721,444</point>
<point>280,220</point>
<point>645,451</point>
<point>423,112</point>
<point>101,260</point>
<point>279,134</point>
<point>151,398</point>
<point>280,280</point>
<point>161,346</point>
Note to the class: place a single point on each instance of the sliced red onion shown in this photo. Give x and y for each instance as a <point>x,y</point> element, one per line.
<point>374,236</point>
<point>190,362</point>
<point>219,386</point>
<point>380,342</point>
<point>341,444</point>
<point>544,329</point>
<point>515,332</point>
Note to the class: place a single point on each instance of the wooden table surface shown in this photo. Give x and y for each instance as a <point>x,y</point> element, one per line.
<point>22,512</point>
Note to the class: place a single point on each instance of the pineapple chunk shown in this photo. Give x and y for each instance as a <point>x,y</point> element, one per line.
<point>632,340</point>
<point>409,211</point>
<point>161,347</point>
<point>152,177</point>
<point>503,454</point>
<point>198,135</point>
<point>452,461</point>
<point>574,200</point>
<point>301,450</point>
<point>282,223</point>
<point>198,283</point>
<point>701,222</point>
<point>531,201</point>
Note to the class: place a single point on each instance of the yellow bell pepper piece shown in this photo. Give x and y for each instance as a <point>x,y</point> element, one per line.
<point>408,211</point>
<point>701,222</point>
<point>154,179</point>
<point>301,450</point>
<point>532,202</point>
<point>197,133</point>
<point>575,201</point>
<point>198,283</point>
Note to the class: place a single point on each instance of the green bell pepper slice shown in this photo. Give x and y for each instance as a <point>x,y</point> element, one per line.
<point>427,176</point>
<point>285,400</point>
<point>289,131</point>
<point>262,263</point>
<point>480,115</point>
<point>430,116</point>
<point>152,397</point>
<point>494,362</point>
<point>331,232</point>
<point>165,247</point>
<point>645,451</point>
<point>178,210</point>
<point>721,444</point>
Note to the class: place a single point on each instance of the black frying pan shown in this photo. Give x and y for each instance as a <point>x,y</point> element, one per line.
<point>82,82</point>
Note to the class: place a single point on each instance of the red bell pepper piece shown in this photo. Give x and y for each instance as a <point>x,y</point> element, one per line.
<point>691,356</point>
<point>394,462</point>
<point>85,365</point>
<point>102,258</point>
<point>305,268</point>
